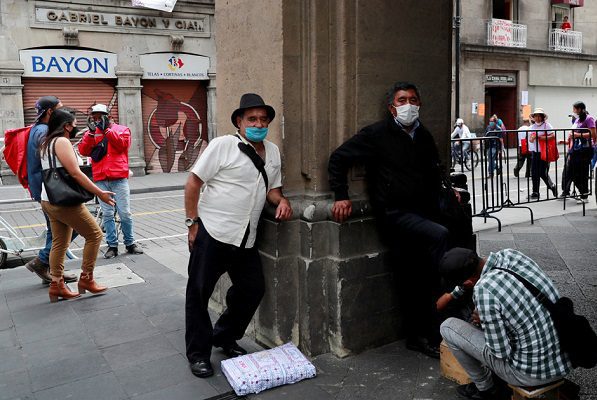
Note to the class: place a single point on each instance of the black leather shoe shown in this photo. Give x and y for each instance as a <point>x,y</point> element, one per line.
<point>470,391</point>
<point>134,249</point>
<point>202,369</point>
<point>422,345</point>
<point>111,253</point>
<point>233,350</point>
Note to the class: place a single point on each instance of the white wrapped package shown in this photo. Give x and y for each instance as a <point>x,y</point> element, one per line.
<point>254,373</point>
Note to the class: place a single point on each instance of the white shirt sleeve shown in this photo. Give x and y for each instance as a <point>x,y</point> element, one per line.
<point>212,159</point>
<point>276,178</point>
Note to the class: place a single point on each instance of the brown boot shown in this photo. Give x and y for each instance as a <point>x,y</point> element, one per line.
<point>86,282</point>
<point>59,289</point>
<point>40,269</point>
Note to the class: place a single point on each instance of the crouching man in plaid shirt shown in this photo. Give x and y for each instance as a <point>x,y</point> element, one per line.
<point>512,336</point>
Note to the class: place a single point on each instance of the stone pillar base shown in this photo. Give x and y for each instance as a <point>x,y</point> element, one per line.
<point>329,287</point>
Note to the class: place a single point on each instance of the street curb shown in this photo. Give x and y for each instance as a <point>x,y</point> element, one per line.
<point>133,191</point>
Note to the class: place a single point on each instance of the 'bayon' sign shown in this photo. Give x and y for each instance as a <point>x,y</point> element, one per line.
<point>64,63</point>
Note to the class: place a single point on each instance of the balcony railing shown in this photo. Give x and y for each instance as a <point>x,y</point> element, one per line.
<point>502,32</point>
<point>567,41</point>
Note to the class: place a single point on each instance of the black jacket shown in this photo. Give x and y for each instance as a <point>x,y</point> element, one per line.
<point>402,173</point>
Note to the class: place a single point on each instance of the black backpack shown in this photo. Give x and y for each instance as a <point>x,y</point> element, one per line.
<point>577,338</point>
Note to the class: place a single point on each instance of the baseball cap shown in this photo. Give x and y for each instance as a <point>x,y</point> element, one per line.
<point>43,104</point>
<point>456,266</point>
<point>99,108</point>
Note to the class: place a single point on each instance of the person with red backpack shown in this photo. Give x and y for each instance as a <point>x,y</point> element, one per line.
<point>45,107</point>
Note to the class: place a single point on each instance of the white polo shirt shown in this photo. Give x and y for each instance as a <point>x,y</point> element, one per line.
<point>233,194</point>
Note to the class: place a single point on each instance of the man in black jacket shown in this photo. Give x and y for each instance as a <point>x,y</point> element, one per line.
<point>403,181</point>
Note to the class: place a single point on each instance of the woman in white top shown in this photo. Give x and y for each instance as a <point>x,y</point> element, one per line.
<point>540,168</point>
<point>64,219</point>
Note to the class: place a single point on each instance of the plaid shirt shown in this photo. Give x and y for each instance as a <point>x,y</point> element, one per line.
<point>517,327</point>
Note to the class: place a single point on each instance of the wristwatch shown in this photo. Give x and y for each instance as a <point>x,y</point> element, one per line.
<point>190,221</point>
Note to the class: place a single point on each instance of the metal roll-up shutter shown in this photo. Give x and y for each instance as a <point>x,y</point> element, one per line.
<point>79,94</point>
<point>174,123</point>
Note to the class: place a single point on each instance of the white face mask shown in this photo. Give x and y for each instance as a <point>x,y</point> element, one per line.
<point>406,114</point>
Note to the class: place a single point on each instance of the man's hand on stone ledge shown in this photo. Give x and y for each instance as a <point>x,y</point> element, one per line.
<point>284,210</point>
<point>341,210</point>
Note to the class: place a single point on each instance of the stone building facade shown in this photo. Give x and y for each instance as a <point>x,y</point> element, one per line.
<point>155,70</point>
<point>324,65</point>
<point>515,53</point>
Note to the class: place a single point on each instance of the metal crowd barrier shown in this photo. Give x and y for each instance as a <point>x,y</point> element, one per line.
<point>493,183</point>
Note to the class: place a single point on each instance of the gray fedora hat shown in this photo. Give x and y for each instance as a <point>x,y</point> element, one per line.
<point>251,100</point>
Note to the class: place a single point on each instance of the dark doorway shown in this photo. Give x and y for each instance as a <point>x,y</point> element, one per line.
<point>502,102</point>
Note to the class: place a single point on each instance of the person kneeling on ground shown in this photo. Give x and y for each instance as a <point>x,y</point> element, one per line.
<point>514,338</point>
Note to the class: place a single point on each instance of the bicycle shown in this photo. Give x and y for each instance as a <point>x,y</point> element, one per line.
<point>470,157</point>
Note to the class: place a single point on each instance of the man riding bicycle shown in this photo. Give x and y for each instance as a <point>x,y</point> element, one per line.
<point>461,131</point>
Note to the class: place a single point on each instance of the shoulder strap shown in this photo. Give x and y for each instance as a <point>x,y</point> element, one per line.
<point>255,158</point>
<point>52,153</point>
<point>540,296</point>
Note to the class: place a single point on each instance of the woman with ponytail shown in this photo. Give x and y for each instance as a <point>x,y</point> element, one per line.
<point>63,219</point>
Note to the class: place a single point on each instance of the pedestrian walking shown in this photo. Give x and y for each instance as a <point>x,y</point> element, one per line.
<point>580,153</point>
<point>493,146</point>
<point>45,107</point>
<point>523,156</point>
<point>513,338</point>
<point>64,219</point>
<point>404,182</point>
<point>539,166</point>
<point>108,146</point>
<point>237,173</point>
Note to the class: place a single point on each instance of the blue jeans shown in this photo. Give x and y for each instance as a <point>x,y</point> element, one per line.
<point>467,344</point>
<point>44,254</point>
<point>122,195</point>
<point>492,154</point>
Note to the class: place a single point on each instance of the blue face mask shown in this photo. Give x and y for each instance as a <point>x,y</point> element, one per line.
<point>492,124</point>
<point>255,134</point>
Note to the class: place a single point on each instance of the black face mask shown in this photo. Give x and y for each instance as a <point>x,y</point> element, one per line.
<point>73,133</point>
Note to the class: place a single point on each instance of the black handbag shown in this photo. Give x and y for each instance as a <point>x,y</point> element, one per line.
<point>577,338</point>
<point>62,189</point>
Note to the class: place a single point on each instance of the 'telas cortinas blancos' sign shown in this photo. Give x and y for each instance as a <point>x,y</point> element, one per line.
<point>174,66</point>
<point>64,63</point>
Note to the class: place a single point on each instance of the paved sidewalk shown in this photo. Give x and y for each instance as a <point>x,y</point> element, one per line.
<point>129,343</point>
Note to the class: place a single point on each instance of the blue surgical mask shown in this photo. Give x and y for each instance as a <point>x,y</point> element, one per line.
<point>255,134</point>
<point>492,124</point>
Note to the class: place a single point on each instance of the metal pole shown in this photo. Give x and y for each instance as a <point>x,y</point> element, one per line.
<point>457,66</point>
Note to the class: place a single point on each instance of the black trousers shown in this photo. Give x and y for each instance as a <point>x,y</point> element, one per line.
<point>521,159</point>
<point>209,260</point>
<point>577,170</point>
<point>417,245</point>
<point>539,171</point>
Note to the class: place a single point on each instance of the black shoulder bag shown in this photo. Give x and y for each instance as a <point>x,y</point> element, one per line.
<point>255,158</point>
<point>99,150</point>
<point>62,189</point>
<point>577,338</point>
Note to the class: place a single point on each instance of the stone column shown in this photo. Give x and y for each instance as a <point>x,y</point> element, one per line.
<point>129,114</point>
<point>11,107</point>
<point>212,126</point>
<point>330,287</point>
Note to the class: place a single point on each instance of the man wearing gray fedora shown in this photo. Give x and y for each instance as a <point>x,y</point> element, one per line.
<point>238,173</point>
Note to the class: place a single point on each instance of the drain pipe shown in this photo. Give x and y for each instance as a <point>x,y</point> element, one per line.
<point>457,66</point>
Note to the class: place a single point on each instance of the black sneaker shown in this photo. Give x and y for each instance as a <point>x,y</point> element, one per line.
<point>470,391</point>
<point>134,249</point>
<point>111,252</point>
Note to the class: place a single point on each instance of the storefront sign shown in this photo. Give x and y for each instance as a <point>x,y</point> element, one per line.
<point>197,25</point>
<point>64,63</point>
<point>174,66</point>
<point>571,3</point>
<point>163,5</point>
<point>498,79</point>
<point>501,32</point>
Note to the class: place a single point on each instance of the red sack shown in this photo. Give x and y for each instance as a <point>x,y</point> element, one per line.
<point>549,149</point>
<point>15,152</point>
<point>524,147</point>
